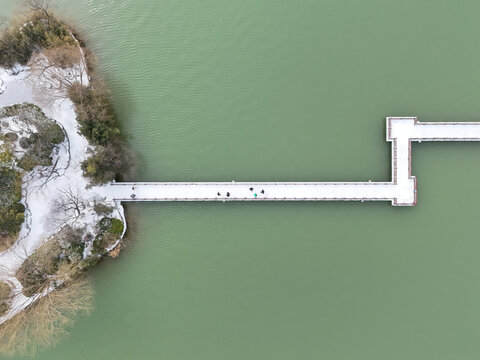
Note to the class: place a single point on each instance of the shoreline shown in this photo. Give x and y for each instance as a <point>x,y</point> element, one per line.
<point>48,90</point>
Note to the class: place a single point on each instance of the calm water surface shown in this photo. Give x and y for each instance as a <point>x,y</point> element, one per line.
<point>288,90</point>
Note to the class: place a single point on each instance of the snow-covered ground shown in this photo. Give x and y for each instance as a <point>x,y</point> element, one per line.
<point>44,185</point>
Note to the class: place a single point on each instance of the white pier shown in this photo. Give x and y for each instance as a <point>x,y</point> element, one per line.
<point>401,191</point>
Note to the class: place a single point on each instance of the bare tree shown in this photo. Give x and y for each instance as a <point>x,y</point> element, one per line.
<point>44,322</point>
<point>70,203</point>
<point>57,69</point>
<point>41,6</point>
<point>67,208</point>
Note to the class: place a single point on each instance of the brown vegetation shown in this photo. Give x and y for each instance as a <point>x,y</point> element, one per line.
<point>36,272</point>
<point>5,293</point>
<point>46,321</point>
<point>28,35</point>
<point>115,252</point>
<point>54,263</point>
<point>63,56</point>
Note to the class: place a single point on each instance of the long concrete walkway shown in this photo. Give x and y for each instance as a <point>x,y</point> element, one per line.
<point>401,191</point>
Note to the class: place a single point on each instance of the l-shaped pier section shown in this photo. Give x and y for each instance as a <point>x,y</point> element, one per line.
<point>401,191</point>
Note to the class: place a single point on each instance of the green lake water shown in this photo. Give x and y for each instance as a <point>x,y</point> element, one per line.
<point>278,90</point>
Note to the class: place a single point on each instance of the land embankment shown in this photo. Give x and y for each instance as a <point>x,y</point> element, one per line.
<point>60,143</point>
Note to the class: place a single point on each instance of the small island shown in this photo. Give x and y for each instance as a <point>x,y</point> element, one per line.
<point>59,145</point>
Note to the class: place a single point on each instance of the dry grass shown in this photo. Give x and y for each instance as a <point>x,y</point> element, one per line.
<point>63,56</point>
<point>45,322</point>
<point>5,292</point>
<point>115,252</point>
<point>6,241</point>
<point>36,273</point>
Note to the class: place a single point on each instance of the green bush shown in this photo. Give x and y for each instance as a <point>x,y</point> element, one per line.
<point>95,113</point>
<point>11,211</point>
<point>53,133</point>
<point>11,186</point>
<point>116,227</point>
<point>111,225</point>
<point>106,164</point>
<point>110,231</point>
<point>11,220</point>
<point>99,168</point>
<point>99,245</point>
<point>98,124</point>
<point>105,224</point>
<point>18,207</point>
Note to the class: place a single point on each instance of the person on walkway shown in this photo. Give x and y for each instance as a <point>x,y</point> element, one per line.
<point>228,194</point>
<point>251,189</point>
<point>218,194</point>
<point>255,195</point>
<point>263,191</point>
<point>133,196</point>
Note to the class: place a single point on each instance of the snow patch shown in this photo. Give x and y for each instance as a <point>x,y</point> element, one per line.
<point>43,186</point>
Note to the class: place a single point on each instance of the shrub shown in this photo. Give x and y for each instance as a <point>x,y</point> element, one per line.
<point>94,113</point>
<point>103,241</point>
<point>101,208</point>
<point>105,224</point>
<point>10,137</point>
<point>36,271</point>
<point>116,227</point>
<point>99,245</point>
<point>11,219</point>
<point>42,145</point>
<point>57,261</point>
<point>104,165</point>
<point>88,263</point>
<point>52,134</point>
<point>11,212</point>
<point>63,55</point>
<point>98,124</point>
<point>11,189</point>
<point>25,143</point>
<point>39,145</point>
<point>115,252</point>
<point>22,39</point>
<point>110,231</point>
<point>111,225</point>
<point>6,156</point>
<point>72,245</point>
